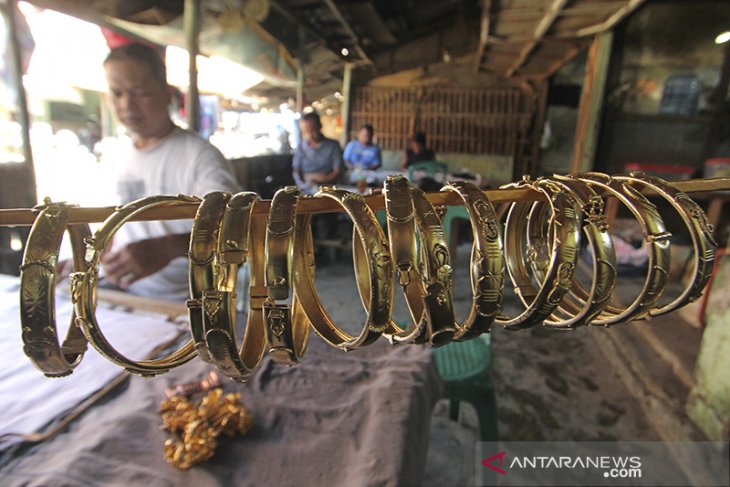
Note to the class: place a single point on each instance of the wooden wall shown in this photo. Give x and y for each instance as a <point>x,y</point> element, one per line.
<point>465,120</point>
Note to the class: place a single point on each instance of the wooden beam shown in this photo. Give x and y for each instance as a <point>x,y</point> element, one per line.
<point>542,28</point>
<point>573,52</point>
<point>341,18</point>
<point>376,201</point>
<point>460,39</point>
<point>346,103</point>
<point>74,9</point>
<point>539,124</point>
<point>280,9</point>
<point>192,19</point>
<point>300,86</point>
<point>510,14</point>
<point>10,9</point>
<point>612,20</point>
<point>591,103</point>
<point>483,33</point>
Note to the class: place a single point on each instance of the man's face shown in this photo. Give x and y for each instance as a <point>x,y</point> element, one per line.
<point>140,101</point>
<point>364,136</point>
<point>310,131</point>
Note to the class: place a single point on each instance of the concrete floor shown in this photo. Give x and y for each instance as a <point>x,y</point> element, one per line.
<point>556,385</point>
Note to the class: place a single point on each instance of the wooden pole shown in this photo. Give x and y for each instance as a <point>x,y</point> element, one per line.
<point>300,87</point>
<point>11,13</point>
<point>26,216</point>
<point>539,125</point>
<point>192,30</point>
<point>591,103</point>
<point>346,103</point>
<point>542,28</point>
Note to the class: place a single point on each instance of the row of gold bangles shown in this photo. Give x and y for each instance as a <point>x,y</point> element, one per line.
<point>539,251</point>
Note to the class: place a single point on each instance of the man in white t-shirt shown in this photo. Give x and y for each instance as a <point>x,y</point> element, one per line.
<point>150,258</point>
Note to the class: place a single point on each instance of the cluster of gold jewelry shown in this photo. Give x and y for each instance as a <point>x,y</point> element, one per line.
<point>197,425</point>
<point>539,250</point>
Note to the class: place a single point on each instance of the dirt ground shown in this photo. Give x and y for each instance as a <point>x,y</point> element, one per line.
<point>549,384</point>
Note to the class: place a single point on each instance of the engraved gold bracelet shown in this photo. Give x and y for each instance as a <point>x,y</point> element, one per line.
<point>700,231</point>
<point>203,271</point>
<point>287,326</point>
<point>656,238</point>
<point>437,271</point>
<point>240,241</point>
<point>83,289</point>
<point>560,255</point>
<point>426,284</point>
<point>486,268</point>
<point>579,306</point>
<point>38,290</point>
<point>369,234</point>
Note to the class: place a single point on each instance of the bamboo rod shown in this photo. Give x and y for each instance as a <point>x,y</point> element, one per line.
<point>26,216</point>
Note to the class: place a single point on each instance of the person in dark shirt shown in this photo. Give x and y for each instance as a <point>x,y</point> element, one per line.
<point>417,151</point>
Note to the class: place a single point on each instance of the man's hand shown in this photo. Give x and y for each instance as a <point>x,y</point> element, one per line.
<point>322,177</point>
<point>142,258</point>
<point>314,177</point>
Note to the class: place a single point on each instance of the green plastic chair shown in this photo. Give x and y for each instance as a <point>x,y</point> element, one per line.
<point>464,369</point>
<point>435,170</point>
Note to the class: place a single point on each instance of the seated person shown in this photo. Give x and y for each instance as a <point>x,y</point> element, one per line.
<point>417,151</point>
<point>149,258</point>
<point>317,159</point>
<point>362,153</point>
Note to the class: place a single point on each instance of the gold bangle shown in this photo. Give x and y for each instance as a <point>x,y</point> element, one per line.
<point>380,268</point>
<point>656,238</point>
<point>38,290</point>
<point>427,297</point>
<point>700,231</point>
<point>83,289</point>
<point>203,271</point>
<point>487,260</point>
<point>438,271</point>
<point>579,306</point>
<point>559,265</point>
<point>241,240</point>
<point>287,331</point>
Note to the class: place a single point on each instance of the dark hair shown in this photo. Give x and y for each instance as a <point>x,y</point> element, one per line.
<point>419,137</point>
<point>143,54</point>
<point>369,128</point>
<point>312,117</point>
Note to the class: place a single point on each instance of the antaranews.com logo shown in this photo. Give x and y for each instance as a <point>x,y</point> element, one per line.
<point>614,463</point>
<point>607,466</point>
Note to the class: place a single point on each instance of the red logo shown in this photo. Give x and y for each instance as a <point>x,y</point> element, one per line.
<point>488,462</point>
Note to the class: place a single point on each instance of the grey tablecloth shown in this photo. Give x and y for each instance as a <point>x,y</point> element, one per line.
<point>338,419</point>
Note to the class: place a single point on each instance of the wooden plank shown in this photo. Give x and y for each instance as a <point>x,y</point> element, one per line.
<point>192,23</point>
<point>483,33</point>
<point>26,216</point>
<point>346,25</point>
<point>540,31</point>
<point>573,52</point>
<point>591,103</point>
<point>612,20</point>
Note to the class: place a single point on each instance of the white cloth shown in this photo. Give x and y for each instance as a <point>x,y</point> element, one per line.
<point>28,399</point>
<point>182,163</point>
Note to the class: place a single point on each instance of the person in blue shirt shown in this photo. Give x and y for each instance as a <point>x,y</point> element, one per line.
<point>361,152</point>
<point>317,159</point>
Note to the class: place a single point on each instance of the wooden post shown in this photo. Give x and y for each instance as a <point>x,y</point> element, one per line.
<point>540,114</point>
<point>192,29</point>
<point>11,11</point>
<point>347,94</point>
<point>300,87</point>
<point>591,103</point>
